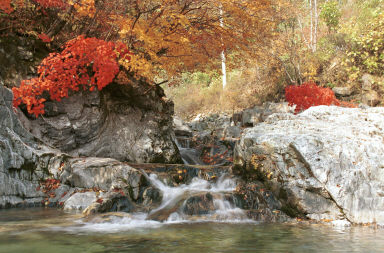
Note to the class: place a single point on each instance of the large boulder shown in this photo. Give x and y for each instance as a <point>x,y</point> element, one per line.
<point>127,121</point>
<point>257,114</point>
<point>325,163</point>
<point>24,161</point>
<point>33,174</point>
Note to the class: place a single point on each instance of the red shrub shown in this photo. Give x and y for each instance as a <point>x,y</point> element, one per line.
<point>309,94</point>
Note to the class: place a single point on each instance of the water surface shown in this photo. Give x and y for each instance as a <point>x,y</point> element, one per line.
<point>51,230</point>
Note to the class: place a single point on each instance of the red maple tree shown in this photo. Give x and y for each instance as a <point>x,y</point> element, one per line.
<point>84,63</point>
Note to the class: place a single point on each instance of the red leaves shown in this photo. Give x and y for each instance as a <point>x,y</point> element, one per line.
<point>5,6</point>
<point>119,191</point>
<point>51,3</point>
<point>309,94</point>
<point>84,63</point>
<point>45,38</point>
<point>48,187</point>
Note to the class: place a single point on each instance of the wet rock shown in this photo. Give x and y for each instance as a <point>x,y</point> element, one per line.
<point>152,196</point>
<point>174,175</point>
<point>180,128</point>
<point>103,174</point>
<point>267,215</point>
<point>107,217</point>
<point>110,202</point>
<point>80,201</point>
<point>255,196</point>
<point>324,163</point>
<point>199,204</point>
<point>164,213</point>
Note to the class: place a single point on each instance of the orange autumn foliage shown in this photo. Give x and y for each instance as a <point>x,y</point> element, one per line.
<point>84,63</point>
<point>309,94</point>
<point>167,38</point>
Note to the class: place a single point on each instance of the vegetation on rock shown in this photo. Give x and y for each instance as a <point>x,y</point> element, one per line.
<point>84,63</point>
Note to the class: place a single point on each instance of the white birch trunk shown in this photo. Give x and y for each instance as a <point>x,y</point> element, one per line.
<point>223,60</point>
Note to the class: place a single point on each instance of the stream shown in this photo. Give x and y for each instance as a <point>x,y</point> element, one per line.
<point>51,230</point>
<point>218,226</point>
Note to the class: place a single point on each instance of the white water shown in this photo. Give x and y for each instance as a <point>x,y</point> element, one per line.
<point>224,210</point>
<point>189,155</point>
<point>172,194</point>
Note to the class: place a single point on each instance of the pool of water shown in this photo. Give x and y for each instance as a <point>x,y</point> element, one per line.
<point>51,230</point>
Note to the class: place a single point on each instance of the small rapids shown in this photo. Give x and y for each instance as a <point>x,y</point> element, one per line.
<point>198,201</point>
<point>188,155</point>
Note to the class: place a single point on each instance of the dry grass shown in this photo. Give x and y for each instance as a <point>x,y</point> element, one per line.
<point>246,87</point>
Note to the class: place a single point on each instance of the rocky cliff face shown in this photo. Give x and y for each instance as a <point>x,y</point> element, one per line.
<point>33,174</point>
<point>129,121</point>
<point>325,163</point>
<point>23,160</point>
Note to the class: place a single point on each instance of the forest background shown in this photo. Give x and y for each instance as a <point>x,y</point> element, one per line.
<point>331,43</point>
<point>182,45</point>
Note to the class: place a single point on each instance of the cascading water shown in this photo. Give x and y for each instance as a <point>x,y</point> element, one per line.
<point>209,201</point>
<point>189,155</point>
<point>198,201</point>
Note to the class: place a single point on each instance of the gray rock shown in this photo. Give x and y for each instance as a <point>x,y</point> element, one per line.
<point>370,98</point>
<point>103,174</point>
<point>212,122</point>
<point>23,160</point>
<point>180,128</point>
<point>367,81</point>
<point>325,163</point>
<point>199,204</point>
<point>252,116</point>
<point>121,122</point>
<point>25,163</point>
<point>342,91</point>
<point>198,126</point>
<point>232,132</point>
<point>19,57</point>
<point>80,201</point>
<point>110,202</point>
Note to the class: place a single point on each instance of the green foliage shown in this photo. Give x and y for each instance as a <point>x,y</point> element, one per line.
<point>330,13</point>
<point>366,53</point>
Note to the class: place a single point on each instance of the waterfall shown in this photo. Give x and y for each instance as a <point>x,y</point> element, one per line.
<point>189,155</point>
<point>198,201</point>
